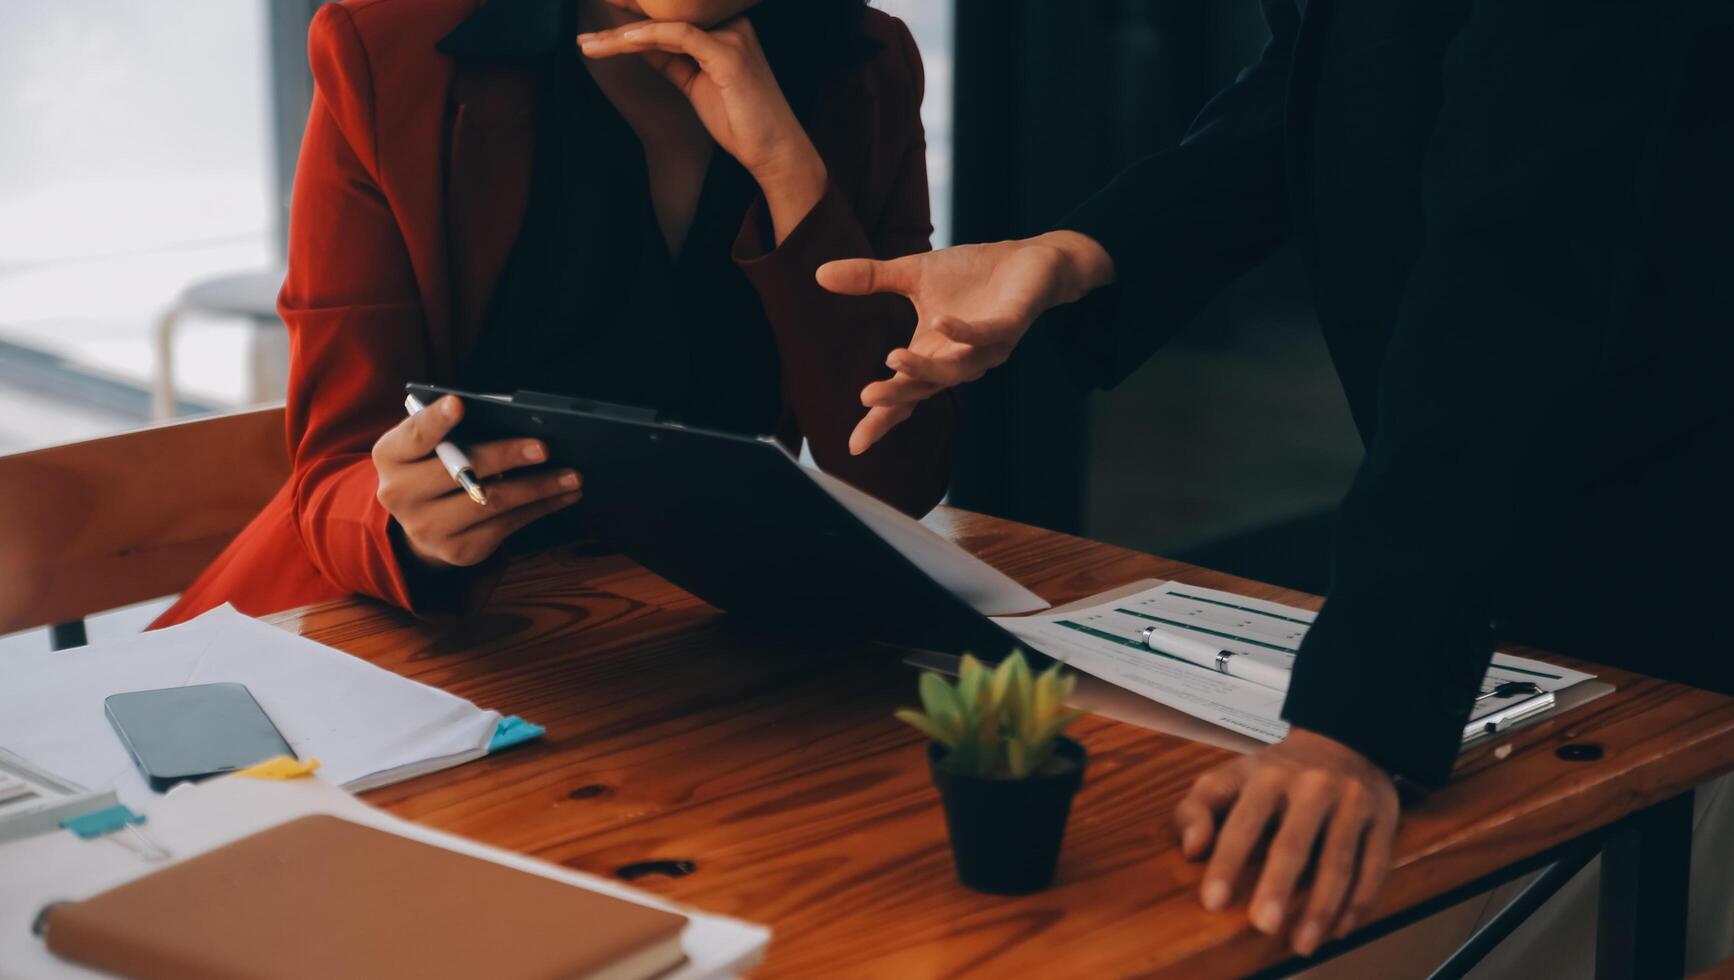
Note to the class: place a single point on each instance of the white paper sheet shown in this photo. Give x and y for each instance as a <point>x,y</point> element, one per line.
<point>190,820</point>
<point>1105,640</point>
<point>366,725</point>
<point>990,591</point>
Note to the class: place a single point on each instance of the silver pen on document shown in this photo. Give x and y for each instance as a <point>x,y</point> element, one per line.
<point>1222,661</point>
<point>456,463</point>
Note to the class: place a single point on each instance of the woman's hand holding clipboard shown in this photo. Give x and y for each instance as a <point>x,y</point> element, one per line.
<point>443,524</point>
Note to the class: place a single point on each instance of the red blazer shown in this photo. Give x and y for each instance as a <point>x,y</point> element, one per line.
<point>409,194</point>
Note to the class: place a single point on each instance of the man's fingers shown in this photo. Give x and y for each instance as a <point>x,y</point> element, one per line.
<point>1241,833</point>
<point>875,424</point>
<point>493,458</point>
<point>983,333</point>
<point>1336,870</point>
<point>1375,863</point>
<point>898,390</point>
<point>861,277</point>
<point>963,365</point>
<point>417,435</point>
<point>1310,797</point>
<point>1196,817</point>
<point>1336,812</point>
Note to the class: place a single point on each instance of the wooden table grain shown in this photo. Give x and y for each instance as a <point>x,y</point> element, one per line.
<point>771,762</point>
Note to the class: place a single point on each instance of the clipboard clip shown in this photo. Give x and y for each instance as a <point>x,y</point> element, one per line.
<point>1510,689</point>
<point>1503,720</point>
<point>567,403</point>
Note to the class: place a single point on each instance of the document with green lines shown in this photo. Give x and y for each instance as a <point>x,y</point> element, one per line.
<point>1108,641</point>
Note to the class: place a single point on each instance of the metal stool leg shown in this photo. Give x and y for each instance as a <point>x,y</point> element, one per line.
<point>65,636</point>
<point>163,397</point>
<point>268,356</point>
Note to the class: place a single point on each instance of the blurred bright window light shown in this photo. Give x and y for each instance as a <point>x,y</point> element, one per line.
<point>930,22</point>
<point>136,159</point>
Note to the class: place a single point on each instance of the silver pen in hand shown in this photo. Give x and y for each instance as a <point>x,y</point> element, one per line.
<point>456,463</point>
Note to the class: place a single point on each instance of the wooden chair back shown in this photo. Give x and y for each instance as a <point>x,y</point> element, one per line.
<point>91,526</point>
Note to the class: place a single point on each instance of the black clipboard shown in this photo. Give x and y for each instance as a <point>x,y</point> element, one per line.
<point>735,521</point>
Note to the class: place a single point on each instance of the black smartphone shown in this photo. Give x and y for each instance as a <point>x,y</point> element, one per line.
<point>189,733</point>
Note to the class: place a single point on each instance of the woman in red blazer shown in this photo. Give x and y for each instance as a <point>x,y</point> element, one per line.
<point>625,199</point>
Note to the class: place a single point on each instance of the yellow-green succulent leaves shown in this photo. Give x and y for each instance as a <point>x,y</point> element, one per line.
<point>998,723</point>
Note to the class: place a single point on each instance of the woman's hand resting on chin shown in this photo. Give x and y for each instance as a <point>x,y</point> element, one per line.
<point>724,74</point>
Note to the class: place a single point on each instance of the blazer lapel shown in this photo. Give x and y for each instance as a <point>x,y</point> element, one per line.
<point>492,142</point>
<point>409,82</point>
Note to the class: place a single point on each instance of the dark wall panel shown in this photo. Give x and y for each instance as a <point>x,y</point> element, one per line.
<point>1052,100</point>
<point>1033,137</point>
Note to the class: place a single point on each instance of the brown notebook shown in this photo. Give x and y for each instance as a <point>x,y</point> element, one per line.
<point>325,897</point>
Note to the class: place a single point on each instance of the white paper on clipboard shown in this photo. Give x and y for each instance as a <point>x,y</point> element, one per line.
<point>990,591</point>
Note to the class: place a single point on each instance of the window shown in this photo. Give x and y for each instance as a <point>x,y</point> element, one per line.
<point>135,161</point>
<point>930,22</point>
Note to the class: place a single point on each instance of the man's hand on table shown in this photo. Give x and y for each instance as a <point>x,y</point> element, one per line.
<point>1313,795</point>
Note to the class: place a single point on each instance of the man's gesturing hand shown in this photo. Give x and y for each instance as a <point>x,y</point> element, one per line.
<point>1322,797</point>
<point>973,303</point>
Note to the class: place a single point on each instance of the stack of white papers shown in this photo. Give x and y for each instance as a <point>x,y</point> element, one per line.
<point>1105,640</point>
<point>367,726</point>
<point>192,819</point>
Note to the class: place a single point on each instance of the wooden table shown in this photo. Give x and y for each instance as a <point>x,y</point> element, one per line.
<point>769,770</point>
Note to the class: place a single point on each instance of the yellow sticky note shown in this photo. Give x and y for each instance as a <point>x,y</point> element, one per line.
<point>281,767</point>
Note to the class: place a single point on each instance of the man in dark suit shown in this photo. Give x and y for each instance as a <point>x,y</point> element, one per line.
<point>1518,220</point>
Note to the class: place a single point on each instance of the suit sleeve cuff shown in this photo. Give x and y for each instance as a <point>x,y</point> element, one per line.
<point>356,545</point>
<point>446,593</point>
<point>1393,680</point>
<point>783,274</point>
<point>1111,332</point>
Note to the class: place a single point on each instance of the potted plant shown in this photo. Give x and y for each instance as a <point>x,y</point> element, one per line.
<point>1005,772</point>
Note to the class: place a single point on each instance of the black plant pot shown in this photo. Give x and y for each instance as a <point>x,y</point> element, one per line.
<point>1006,833</point>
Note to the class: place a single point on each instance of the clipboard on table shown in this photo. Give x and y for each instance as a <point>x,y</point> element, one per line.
<point>1099,636</point>
<point>737,521</point>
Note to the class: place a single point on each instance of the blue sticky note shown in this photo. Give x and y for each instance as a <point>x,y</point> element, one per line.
<point>513,730</point>
<point>100,822</point>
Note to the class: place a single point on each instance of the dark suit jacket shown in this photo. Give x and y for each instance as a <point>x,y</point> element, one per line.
<point>410,192</point>
<point>1518,219</point>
